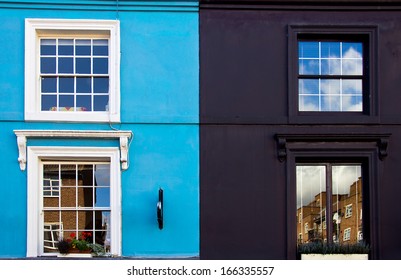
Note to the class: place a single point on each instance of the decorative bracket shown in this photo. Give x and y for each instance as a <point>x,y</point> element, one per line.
<point>380,140</point>
<point>123,136</point>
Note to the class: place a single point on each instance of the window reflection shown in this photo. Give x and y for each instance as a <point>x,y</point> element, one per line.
<point>76,198</point>
<point>345,210</point>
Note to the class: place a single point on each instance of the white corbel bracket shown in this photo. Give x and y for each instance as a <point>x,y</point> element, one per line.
<point>123,135</point>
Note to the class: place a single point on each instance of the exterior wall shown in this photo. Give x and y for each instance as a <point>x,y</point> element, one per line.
<point>159,104</point>
<point>244,104</point>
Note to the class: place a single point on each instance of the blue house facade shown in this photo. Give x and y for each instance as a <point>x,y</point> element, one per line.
<point>100,114</point>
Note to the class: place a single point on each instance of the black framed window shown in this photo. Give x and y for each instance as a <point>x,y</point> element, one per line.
<point>332,74</point>
<point>326,192</point>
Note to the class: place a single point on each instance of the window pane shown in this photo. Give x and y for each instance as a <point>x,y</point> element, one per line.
<point>102,175</point>
<point>48,102</point>
<point>48,65</point>
<point>309,103</point>
<point>83,65</point>
<point>352,103</point>
<point>65,47</point>
<point>48,47</point>
<point>331,86</point>
<point>84,103</point>
<point>49,84</point>
<point>311,212</point>
<point>65,65</point>
<point>330,50</point>
<point>101,85</point>
<point>352,87</point>
<point>66,102</point>
<point>101,47</point>
<point>66,85</point>
<point>331,67</point>
<point>352,50</point>
<point>308,49</point>
<point>101,103</point>
<point>85,197</point>
<point>69,220</point>
<point>102,197</point>
<point>83,47</point>
<point>85,220</point>
<point>100,66</point>
<point>309,86</point>
<point>331,103</point>
<point>347,203</point>
<point>352,67</point>
<point>84,85</point>
<point>309,67</point>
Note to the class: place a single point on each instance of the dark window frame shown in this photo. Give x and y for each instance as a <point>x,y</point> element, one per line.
<point>368,36</point>
<point>367,149</point>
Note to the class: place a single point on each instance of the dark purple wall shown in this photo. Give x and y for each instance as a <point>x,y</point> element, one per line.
<point>244,104</point>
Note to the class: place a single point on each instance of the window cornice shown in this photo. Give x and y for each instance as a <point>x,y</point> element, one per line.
<point>123,135</point>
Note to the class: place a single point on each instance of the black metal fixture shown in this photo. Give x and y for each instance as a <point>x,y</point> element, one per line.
<point>159,209</point>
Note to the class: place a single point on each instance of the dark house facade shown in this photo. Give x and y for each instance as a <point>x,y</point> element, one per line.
<point>299,99</point>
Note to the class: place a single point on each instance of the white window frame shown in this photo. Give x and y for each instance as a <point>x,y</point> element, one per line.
<point>347,234</point>
<point>34,192</point>
<point>42,28</point>
<point>348,211</point>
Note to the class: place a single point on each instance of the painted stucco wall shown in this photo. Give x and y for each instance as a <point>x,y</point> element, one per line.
<point>159,104</point>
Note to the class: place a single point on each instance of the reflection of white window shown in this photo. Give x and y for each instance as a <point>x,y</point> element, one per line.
<point>72,70</point>
<point>300,217</point>
<point>348,211</point>
<point>51,235</point>
<point>306,226</point>
<point>51,187</point>
<point>347,234</point>
<point>88,201</point>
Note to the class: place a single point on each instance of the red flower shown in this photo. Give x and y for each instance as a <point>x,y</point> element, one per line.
<point>72,235</point>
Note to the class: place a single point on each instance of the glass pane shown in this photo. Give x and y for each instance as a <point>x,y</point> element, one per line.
<point>102,197</point>
<point>331,86</point>
<point>83,47</point>
<point>347,204</point>
<point>308,103</point>
<point>331,67</point>
<point>85,172</point>
<point>352,67</point>
<point>66,85</point>
<point>83,65</point>
<point>48,65</point>
<point>100,66</point>
<point>48,46</point>
<point>309,86</point>
<point>85,197</point>
<point>65,47</point>
<point>331,103</point>
<point>66,102</point>
<point>309,67</point>
<point>84,85</point>
<point>352,87</point>
<point>49,201</point>
<point>330,50</point>
<point>49,84</point>
<point>102,233</point>
<point>102,175</point>
<point>101,85</point>
<point>68,196</point>
<point>65,65</point>
<point>352,103</point>
<point>101,47</point>
<point>101,103</point>
<point>69,220</point>
<point>308,49</point>
<point>84,103</point>
<point>352,50</point>
<point>311,200</point>
<point>85,220</point>
<point>49,102</point>
<point>51,217</point>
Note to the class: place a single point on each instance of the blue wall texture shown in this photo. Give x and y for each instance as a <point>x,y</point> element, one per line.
<point>159,104</point>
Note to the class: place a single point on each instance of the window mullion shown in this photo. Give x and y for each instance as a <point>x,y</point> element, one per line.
<point>329,203</point>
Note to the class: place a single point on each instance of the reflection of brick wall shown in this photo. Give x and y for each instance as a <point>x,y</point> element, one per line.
<point>68,196</point>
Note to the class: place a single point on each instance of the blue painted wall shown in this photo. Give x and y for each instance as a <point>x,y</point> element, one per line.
<point>159,103</point>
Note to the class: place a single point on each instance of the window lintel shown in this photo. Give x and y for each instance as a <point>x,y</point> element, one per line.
<point>123,135</point>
